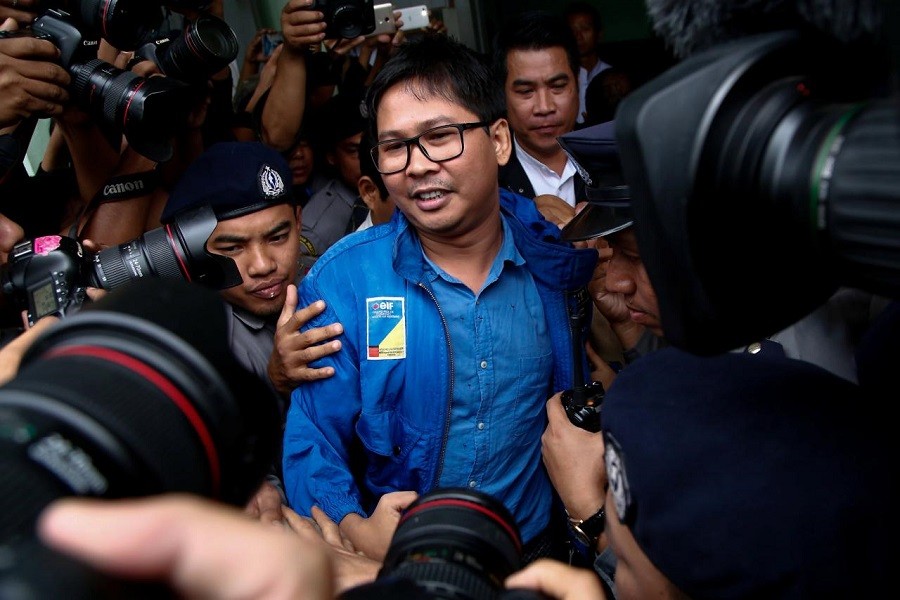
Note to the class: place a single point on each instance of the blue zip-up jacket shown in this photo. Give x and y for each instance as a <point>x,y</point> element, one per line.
<point>399,408</point>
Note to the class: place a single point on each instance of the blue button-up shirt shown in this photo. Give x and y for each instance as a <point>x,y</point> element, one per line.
<point>502,372</point>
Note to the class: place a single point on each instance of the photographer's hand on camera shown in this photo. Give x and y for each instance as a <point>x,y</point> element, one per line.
<point>285,104</point>
<point>574,461</point>
<point>22,11</point>
<point>372,536</point>
<point>31,81</point>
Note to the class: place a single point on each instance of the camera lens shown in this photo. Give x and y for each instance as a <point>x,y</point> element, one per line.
<point>123,23</point>
<point>150,255</point>
<point>148,111</point>
<point>173,251</point>
<point>206,46</point>
<point>453,543</point>
<point>351,19</point>
<point>138,394</point>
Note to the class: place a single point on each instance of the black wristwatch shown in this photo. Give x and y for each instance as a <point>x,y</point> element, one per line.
<point>587,531</point>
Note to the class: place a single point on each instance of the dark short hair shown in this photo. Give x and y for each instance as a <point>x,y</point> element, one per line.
<point>367,165</point>
<point>441,66</point>
<point>584,8</point>
<point>534,30</point>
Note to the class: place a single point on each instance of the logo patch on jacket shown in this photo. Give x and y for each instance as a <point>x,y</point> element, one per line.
<point>385,328</point>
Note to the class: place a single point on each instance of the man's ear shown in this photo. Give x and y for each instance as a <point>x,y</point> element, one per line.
<point>502,140</point>
<point>368,191</point>
<point>298,214</point>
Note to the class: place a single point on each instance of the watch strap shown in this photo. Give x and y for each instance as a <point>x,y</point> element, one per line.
<point>588,531</point>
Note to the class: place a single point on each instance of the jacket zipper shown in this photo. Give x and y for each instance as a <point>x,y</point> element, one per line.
<point>440,467</point>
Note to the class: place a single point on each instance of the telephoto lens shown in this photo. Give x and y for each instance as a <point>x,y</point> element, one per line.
<point>451,543</point>
<point>137,394</point>
<point>207,45</point>
<point>175,250</point>
<point>149,112</point>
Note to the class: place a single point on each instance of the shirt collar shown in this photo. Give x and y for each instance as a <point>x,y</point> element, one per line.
<point>530,162</point>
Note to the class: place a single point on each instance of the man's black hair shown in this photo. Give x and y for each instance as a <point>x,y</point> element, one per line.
<point>439,66</point>
<point>534,30</point>
<point>367,165</point>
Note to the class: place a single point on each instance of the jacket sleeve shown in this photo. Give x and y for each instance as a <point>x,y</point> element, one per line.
<point>321,419</point>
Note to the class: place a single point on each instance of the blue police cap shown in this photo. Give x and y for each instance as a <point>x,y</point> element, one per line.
<point>234,179</point>
<point>595,153</point>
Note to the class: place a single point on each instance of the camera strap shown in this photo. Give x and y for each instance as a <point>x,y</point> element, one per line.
<point>116,189</point>
<point>125,187</point>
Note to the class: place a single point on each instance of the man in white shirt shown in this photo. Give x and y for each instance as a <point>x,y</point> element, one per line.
<point>536,57</point>
<point>587,27</point>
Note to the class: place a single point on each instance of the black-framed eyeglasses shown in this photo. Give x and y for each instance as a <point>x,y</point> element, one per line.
<point>438,144</point>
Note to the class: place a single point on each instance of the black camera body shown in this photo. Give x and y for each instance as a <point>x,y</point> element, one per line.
<point>123,23</point>
<point>583,405</point>
<point>346,18</point>
<point>49,275</point>
<point>147,111</point>
<point>57,27</point>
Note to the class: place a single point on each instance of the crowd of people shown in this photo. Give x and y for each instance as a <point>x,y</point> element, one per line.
<point>393,211</point>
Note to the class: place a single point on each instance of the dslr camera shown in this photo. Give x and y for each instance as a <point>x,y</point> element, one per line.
<point>205,46</point>
<point>346,18</point>
<point>451,543</point>
<point>138,394</point>
<point>49,275</point>
<point>147,111</point>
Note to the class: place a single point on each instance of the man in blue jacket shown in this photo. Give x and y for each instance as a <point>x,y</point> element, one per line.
<point>455,318</point>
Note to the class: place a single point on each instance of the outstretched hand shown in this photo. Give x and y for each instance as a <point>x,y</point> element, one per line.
<point>201,549</point>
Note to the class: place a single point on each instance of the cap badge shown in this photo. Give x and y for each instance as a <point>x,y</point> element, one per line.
<point>270,182</point>
<point>618,478</point>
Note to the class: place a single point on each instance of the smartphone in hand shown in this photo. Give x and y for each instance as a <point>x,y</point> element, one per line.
<point>384,20</point>
<point>414,17</point>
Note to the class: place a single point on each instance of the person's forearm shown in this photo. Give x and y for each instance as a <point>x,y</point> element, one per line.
<point>54,152</point>
<point>122,220</point>
<point>93,158</point>
<point>283,111</point>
